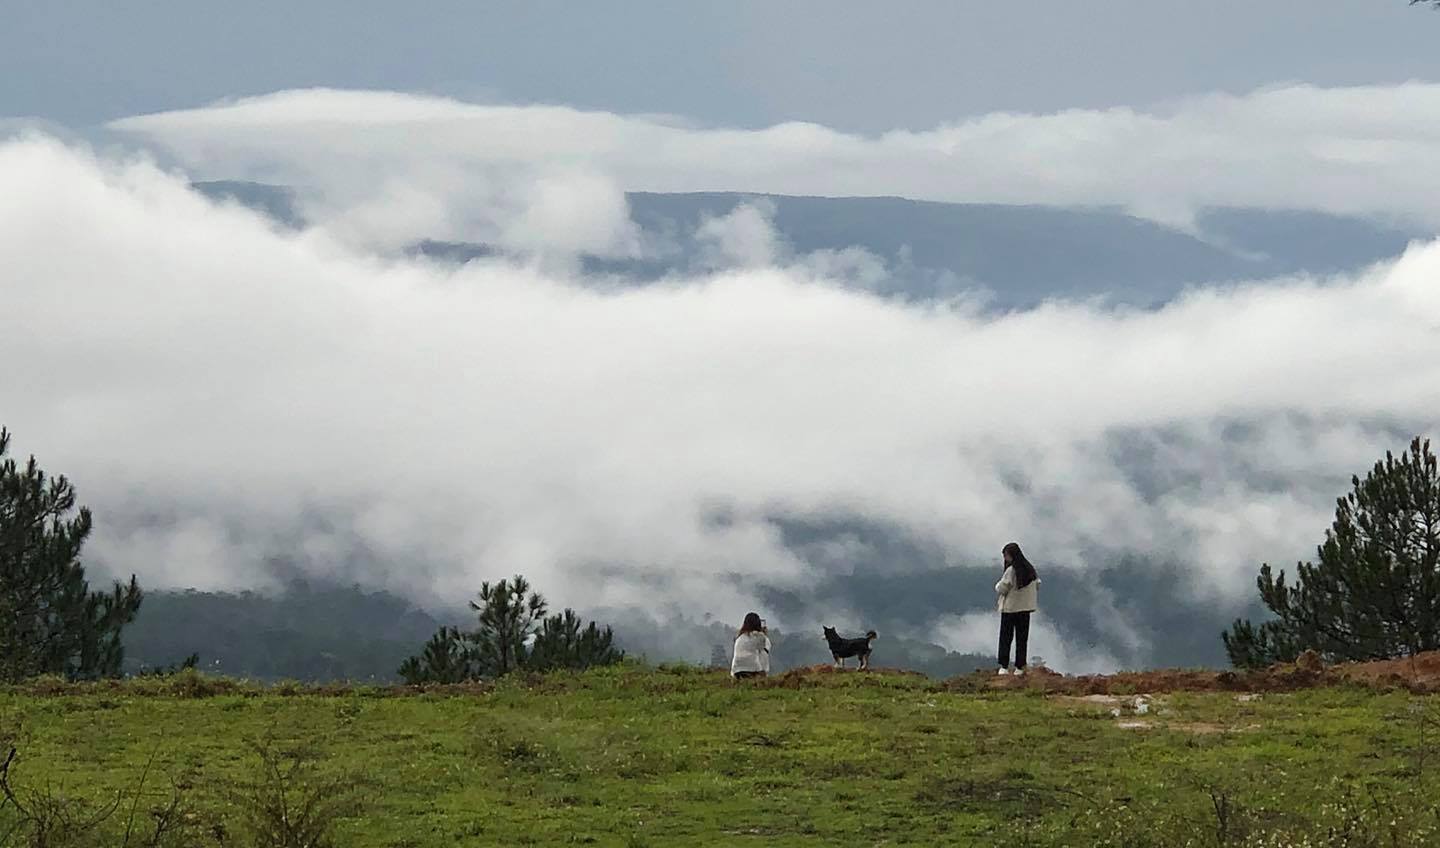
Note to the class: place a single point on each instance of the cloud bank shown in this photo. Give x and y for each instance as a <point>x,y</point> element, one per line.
<point>385,168</point>
<point>225,391</point>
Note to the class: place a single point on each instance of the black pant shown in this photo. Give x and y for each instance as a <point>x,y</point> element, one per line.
<point>1014,625</point>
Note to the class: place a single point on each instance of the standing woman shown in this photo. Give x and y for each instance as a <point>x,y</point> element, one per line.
<point>752,649</point>
<point>1018,590</point>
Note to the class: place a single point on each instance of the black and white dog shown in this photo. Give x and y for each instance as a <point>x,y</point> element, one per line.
<point>842,649</point>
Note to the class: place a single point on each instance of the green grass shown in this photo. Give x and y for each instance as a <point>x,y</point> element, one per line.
<point>630,757</point>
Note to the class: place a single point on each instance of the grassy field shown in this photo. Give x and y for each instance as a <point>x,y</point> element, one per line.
<point>631,757</point>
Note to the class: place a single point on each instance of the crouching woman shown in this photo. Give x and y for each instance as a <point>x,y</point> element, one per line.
<point>752,650</point>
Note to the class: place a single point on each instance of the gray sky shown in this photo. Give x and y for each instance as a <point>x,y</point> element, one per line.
<point>851,66</point>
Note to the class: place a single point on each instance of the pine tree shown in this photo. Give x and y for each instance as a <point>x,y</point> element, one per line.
<point>1375,591</point>
<point>563,643</point>
<point>50,621</point>
<point>445,659</point>
<point>506,621</point>
<point>507,639</point>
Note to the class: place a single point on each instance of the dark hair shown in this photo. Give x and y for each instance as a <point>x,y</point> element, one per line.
<point>1024,572</point>
<point>750,625</point>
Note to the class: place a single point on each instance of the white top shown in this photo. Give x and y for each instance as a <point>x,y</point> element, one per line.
<point>1013,599</point>
<point>752,653</point>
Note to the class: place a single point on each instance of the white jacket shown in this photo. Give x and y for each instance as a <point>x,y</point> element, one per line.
<point>752,653</point>
<point>1016,600</point>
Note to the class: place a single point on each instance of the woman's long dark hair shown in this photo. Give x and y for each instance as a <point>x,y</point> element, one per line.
<point>750,625</point>
<point>1024,572</point>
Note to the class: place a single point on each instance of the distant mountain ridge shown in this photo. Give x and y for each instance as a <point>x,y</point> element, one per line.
<point>277,202</point>
<point>1021,255</point>
<point>1026,254</point>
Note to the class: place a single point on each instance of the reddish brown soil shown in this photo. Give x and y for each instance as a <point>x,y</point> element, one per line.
<point>1420,674</point>
<point>1420,670</point>
<point>813,675</point>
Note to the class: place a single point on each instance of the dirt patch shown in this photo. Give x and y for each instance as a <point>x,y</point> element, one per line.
<point>1120,684</point>
<point>826,668</point>
<point>814,675</point>
<point>1199,728</point>
<point>1420,674</point>
<point>1145,712</point>
<point>1098,701</point>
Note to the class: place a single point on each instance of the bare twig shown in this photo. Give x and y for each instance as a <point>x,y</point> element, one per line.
<point>139,790</point>
<point>5,782</point>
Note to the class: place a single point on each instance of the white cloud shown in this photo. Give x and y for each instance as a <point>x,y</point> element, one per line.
<point>1363,150</point>
<point>585,212</point>
<point>745,237</point>
<point>205,377</point>
<point>979,632</point>
<point>224,393</point>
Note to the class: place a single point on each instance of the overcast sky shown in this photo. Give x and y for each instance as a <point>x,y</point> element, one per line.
<point>862,67</point>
